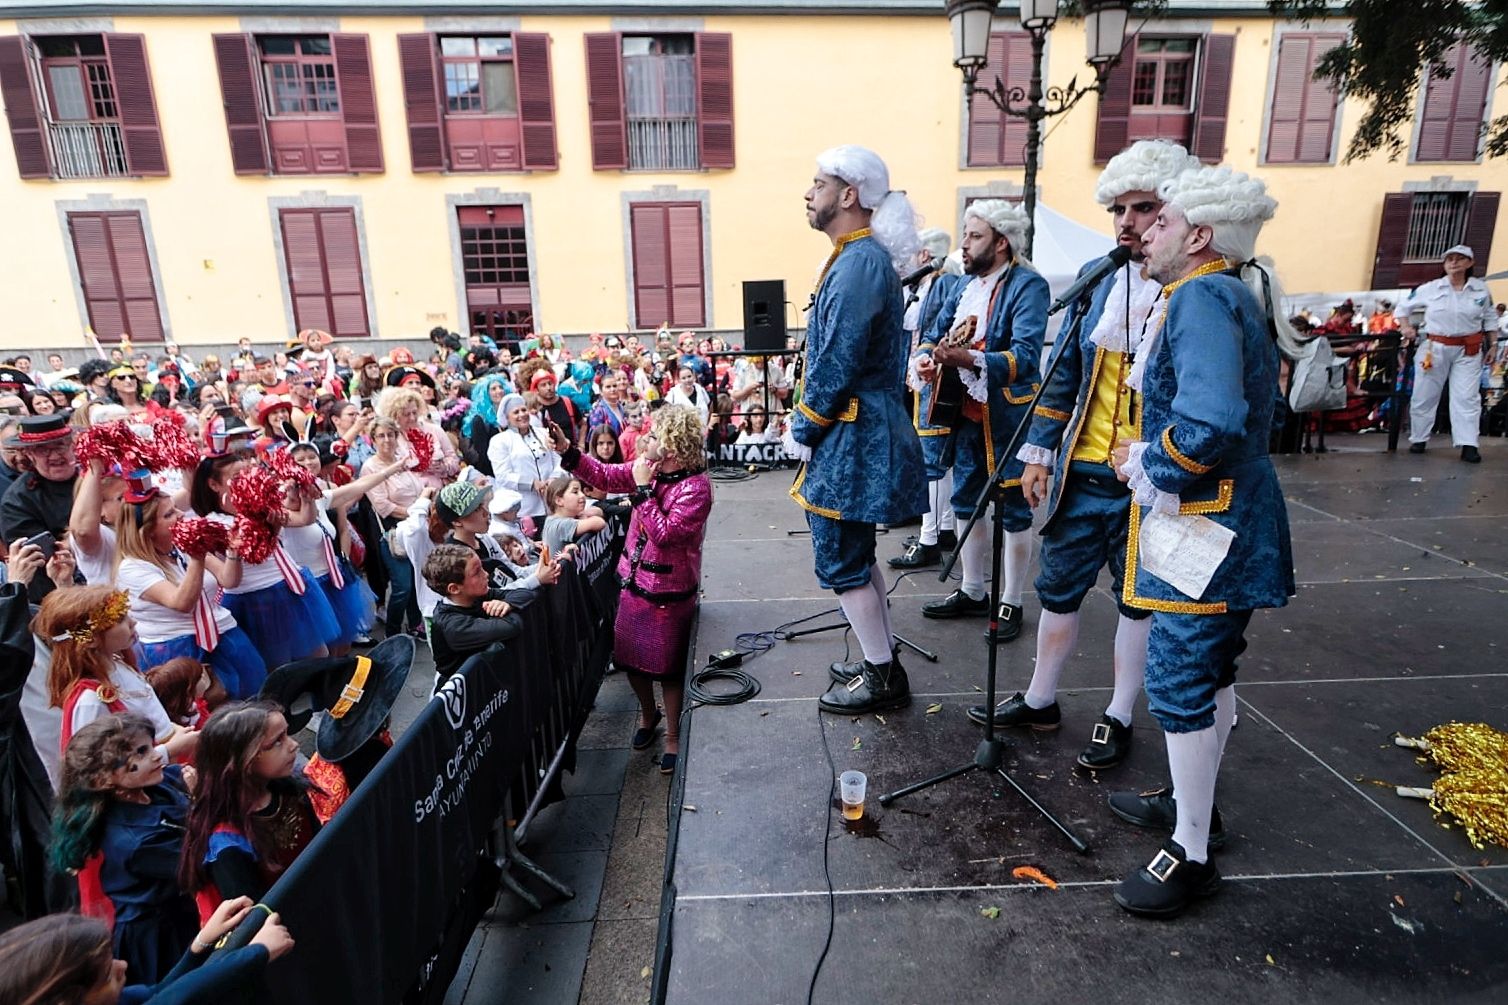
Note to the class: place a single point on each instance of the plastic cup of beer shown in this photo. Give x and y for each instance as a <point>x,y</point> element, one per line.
<point>851,785</point>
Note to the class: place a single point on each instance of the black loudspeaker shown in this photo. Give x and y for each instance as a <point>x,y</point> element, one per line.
<point>764,315</point>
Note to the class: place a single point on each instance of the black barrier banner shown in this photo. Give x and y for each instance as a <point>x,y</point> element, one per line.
<point>767,454</point>
<point>382,900</point>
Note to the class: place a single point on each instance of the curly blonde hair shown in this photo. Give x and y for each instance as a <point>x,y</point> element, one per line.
<point>679,430</point>
<point>392,400</point>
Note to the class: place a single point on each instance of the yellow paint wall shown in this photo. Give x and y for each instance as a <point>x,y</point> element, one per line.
<point>800,84</point>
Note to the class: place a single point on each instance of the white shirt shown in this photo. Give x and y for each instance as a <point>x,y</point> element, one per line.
<point>135,693</point>
<point>95,567</point>
<point>519,461</point>
<point>1448,311</point>
<point>697,399</point>
<point>253,577</point>
<point>307,544</point>
<point>158,622</point>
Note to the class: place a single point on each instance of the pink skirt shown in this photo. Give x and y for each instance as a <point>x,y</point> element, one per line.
<point>651,638</point>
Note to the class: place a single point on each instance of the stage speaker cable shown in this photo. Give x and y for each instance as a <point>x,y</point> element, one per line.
<point>827,876</point>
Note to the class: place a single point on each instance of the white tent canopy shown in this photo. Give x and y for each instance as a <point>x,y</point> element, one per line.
<point>1061,246</point>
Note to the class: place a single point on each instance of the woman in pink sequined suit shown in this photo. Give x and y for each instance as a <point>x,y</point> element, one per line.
<point>661,567</point>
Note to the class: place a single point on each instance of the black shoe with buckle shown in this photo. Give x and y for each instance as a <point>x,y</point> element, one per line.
<point>875,689</point>
<point>957,604</point>
<point>916,556</point>
<point>1157,810</point>
<point>1167,884</point>
<point>1014,711</point>
<point>1471,455</point>
<point>1109,744</point>
<point>841,673</point>
<point>1009,623</point>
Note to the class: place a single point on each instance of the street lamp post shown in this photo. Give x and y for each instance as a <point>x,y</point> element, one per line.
<point>1105,34</point>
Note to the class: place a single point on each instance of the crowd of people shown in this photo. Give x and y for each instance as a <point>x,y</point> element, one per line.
<point>195,555</point>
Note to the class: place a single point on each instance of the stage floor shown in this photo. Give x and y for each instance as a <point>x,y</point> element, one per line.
<point>1336,890</point>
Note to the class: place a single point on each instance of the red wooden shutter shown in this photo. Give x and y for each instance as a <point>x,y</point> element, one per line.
<point>1113,125</point>
<point>358,105</point>
<point>1301,122</point>
<point>1473,80</point>
<point>1216,66</point>
<point>684,236</point>
<point>421,101</point>
<point>536,100</point>
<point>651,267</point>
<point>22,109</point>
<point>1481,220</point>
<point>241,91</point>
<point>115,271</point>
<point>714,99</point>
<point>669,287</point>
<point>1392,235</point>
<point>604,100</point>
<point>997,139</point>
<point>323,255</point>
<point>140,131</point>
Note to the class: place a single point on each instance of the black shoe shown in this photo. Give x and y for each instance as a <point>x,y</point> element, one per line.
<point>876,689</point>
<point>1009,623</point>
<point>645,735</point>
<point>1157,810</point>
<point>1417,448</point>
<point>1014,711</point>
<point>916,556</point>
<point>1108,744</point>
<point>1167,884</point>
<point>841,673</point>
<point>957,604</point>
<point>667,764</point>
<point>1471,455</point>
<point>947,540</point>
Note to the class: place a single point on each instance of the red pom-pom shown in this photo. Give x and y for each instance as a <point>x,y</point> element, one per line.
<point>113,443</point>
<point>423,445</point>
<point>257,493</point>
<point>257,539</point>
<point>287,469</point>
<point>171,446</point>
<point>197,536</point>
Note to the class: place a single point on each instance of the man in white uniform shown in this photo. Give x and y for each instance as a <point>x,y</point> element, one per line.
<point>1459,321</point>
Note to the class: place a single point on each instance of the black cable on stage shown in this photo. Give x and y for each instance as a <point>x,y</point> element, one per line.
<point>827,876</point>
<point>748,686</point>
<point>731,474</point>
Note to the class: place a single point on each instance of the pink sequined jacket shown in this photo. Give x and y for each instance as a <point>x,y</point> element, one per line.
<point>662,560</point>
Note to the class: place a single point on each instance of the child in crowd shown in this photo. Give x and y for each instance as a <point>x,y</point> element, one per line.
<point>93,671</point>
<point>119,802</point>
<point>570,516</point>
<point>186,688</point>
<point>250,818</point>
<point>472,615</point>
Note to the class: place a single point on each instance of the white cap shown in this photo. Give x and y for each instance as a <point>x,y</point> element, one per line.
<point>504,499</point>
<point>1464,250</point>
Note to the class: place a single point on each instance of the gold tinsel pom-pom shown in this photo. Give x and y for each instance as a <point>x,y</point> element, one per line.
<point>1462,746</point>
<point>1478,799</point>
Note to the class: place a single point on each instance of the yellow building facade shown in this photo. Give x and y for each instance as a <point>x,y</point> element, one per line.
<point>800,82</point>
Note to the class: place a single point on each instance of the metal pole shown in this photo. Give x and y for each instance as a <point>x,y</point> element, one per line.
<point>1034,113</point>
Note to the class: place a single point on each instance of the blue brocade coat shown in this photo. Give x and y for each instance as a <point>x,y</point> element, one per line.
<point>1059,416</point>
<point>1012,355</point>
<point>938,295</point>
<point>866,462</point>
<point>1206,412</point>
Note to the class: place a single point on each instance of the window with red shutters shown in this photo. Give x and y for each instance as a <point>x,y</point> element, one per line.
<point>1417,227</point>
<point>495,260</point>
<point>322,252</point>
<point>660,102</point>
<point>1174,88</point>
<point>1301,121</point>
<point>115,274</point>
<point>997,139</point>
<point>1454,104</point>
<point>669,286</point>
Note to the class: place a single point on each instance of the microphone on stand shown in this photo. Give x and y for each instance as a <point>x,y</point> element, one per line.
<point>923,272</point>
<point>1118,257</point>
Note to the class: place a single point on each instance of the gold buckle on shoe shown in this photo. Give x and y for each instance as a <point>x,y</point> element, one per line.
<point>1162,865</point>
<point>1101,733</point>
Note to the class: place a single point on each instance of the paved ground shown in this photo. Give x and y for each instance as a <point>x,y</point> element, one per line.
<point>1336,891</point>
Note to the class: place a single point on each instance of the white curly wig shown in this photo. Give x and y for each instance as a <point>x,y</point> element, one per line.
<point>1005,218</point>
<point>1234,205</point>
<point>936,241</point>
<point>892,219</point>
<point>1144,166</point>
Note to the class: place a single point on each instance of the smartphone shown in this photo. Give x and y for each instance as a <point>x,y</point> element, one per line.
<point>45,541</point>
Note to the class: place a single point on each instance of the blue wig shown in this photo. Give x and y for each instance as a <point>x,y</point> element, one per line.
<point>481,401</point>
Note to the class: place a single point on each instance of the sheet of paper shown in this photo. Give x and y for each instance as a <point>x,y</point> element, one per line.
<point>1183,551</point>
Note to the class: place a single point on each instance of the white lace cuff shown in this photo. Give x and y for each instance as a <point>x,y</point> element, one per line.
<point>1142,489</point>
<point>913,379</point>
<point>1030,453</point>
<point>798,451</point>
<point>976,381</point>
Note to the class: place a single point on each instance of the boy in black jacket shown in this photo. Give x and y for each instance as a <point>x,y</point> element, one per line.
<point>472,616</point>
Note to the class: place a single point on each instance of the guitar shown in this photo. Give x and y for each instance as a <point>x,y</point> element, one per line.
<point>948,393</point>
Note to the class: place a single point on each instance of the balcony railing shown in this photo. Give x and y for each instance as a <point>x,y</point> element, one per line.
<point>661,104</point>
<point>87,150</point>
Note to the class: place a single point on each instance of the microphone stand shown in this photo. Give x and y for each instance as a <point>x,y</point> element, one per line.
<point>990,754</point>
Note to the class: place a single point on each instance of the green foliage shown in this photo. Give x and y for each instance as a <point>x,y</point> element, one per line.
<point>1382,59</point>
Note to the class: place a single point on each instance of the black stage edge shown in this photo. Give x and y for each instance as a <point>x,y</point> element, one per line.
<point>1336,889</point>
